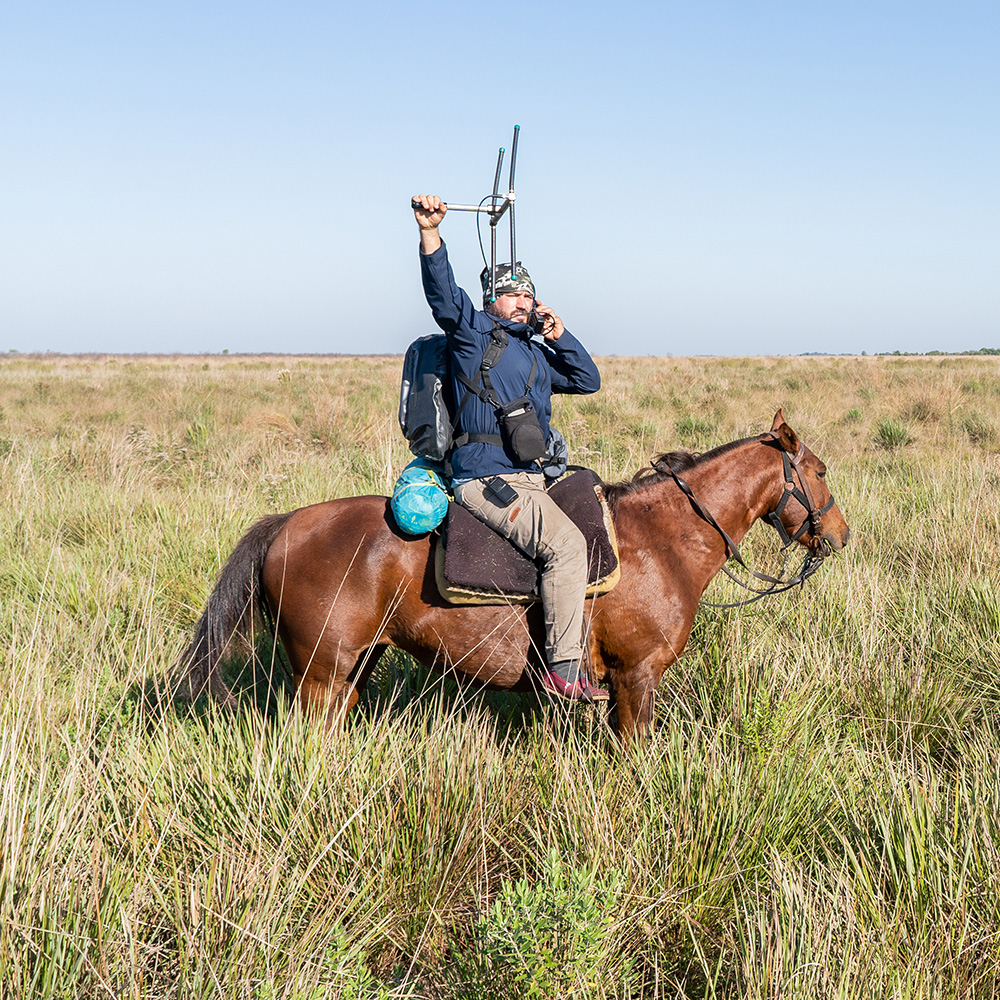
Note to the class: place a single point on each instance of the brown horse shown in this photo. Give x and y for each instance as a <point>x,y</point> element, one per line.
<point>342,583</point>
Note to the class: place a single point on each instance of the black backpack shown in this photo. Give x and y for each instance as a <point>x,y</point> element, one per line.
<point>425,398</point>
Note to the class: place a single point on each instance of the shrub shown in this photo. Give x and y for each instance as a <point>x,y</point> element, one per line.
<point>541,938</point>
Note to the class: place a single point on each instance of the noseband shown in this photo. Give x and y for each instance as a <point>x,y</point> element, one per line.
<point>800,492</point>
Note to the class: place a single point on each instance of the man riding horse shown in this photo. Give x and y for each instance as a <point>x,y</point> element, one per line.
<point>496,473</point>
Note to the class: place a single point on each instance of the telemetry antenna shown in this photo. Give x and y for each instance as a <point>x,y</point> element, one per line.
<point>495,205</point>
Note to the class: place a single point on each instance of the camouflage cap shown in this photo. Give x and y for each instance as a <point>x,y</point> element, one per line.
<point>518,281</point>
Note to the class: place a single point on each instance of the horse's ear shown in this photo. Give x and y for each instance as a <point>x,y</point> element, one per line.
<point>784,435</point>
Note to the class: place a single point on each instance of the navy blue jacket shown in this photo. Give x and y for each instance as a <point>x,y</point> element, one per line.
<point>563,366</point>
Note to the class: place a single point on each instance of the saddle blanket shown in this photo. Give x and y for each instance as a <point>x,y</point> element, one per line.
<point>475,565</point>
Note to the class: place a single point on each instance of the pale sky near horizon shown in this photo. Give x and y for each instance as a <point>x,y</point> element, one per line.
<point>698,178</point>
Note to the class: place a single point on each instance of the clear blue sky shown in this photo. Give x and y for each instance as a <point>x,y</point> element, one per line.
<point>693,178</point>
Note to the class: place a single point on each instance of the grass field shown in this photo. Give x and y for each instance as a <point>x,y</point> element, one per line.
<point>816,815</point>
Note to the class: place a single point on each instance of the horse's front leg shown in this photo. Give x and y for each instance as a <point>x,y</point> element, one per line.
<point>634,689</point>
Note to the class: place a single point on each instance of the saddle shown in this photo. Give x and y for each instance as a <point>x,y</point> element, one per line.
<point>475,565</point>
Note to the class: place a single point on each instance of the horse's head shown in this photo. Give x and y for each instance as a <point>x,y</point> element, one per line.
<point>806,512</point>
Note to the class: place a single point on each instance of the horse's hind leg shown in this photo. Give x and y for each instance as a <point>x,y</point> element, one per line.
<point>350,692</point>
<point>336,693</point>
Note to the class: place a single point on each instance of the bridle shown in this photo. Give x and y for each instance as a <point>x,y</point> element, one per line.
<point>803,494</point>
<point>799,491</point>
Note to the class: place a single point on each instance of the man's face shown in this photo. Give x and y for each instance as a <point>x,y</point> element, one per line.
<point>513,305</point>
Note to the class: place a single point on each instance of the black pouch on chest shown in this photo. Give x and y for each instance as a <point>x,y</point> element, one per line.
<point>522,433</point>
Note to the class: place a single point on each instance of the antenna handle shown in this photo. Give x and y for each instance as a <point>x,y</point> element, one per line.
<point>485,209</point>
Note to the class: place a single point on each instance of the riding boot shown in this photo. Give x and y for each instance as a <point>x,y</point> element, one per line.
<point>566,680</point>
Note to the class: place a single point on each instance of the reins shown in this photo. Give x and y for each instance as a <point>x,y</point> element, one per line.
<point>802,493</point>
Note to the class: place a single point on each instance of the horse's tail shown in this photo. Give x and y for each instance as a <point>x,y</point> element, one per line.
<point>235,605</point>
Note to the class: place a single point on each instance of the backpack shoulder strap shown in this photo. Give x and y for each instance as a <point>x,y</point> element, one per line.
<point>482,387</point>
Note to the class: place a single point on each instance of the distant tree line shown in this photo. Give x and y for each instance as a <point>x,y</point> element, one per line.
<point>904,354</point>
<point>982,350</point>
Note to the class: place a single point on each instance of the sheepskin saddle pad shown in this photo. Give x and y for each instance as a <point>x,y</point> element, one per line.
<point>475,565</point>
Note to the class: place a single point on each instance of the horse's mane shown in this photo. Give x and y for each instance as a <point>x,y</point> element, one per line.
<point>660,469</point>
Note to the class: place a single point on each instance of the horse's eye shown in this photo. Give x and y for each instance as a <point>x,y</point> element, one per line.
<point>822,475</point>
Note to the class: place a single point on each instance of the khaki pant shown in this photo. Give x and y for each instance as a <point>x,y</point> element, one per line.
<point>540,529</point>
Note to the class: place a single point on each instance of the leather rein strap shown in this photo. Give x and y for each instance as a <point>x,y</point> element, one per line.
<point>800,492</point>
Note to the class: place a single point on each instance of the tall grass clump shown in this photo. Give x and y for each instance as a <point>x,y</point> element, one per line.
<point>891,434</point>
<point>979,428</point>
<point>817,813</point>
<point>693,430</point>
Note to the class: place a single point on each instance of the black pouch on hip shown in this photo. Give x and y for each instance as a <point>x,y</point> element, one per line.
<point>522,433</point>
